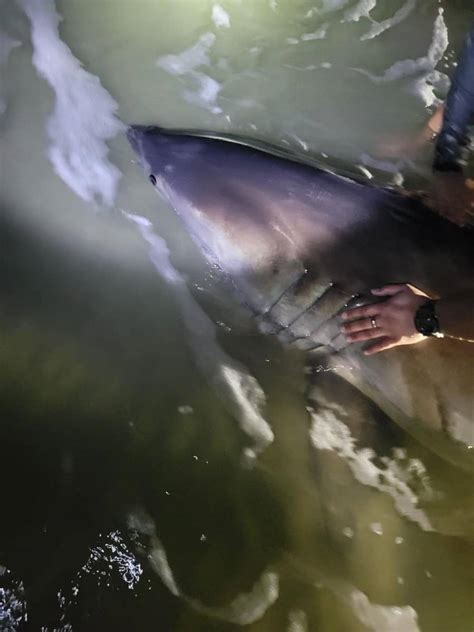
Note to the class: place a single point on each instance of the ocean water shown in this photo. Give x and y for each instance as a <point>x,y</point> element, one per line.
<point>160,469</point>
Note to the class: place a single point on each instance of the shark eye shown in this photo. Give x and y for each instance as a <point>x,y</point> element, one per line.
<point>152,179</point>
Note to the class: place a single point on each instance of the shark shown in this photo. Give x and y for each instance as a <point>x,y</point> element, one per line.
<point>301,243</point>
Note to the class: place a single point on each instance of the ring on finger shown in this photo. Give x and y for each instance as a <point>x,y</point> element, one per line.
<point>373,322</point>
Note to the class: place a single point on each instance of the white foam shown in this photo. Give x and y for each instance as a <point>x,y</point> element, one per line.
<point>7,44</point>
<point>205,89</point>
<point>424,66</point>
<point>378,28</point>
<point>245,609</point>
<point>297,621</point>
<point>189,59</point>
<point>328,6</point>
<point>238,389</point>
<point>248,607</point>
<point>383,618</point>
<point>244,390</point>
<point>328,432</point>
<point>84,115</point>
<point>425,87</point>
<point>220,17</point>
<point>318,34</point>
<point>374,617</point>
<point>361,10</point>
<point>206,92</point>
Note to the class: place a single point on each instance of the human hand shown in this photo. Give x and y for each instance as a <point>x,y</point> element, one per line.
<point>453,197</point>
<point>411,144</point>
<point>404,145</point>
<point>390,323</point>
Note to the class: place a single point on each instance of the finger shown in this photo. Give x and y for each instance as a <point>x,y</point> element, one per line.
<point>389,290</point>
<point>360,325</point>
<point>366,311</point>
<point>417,291</point>
<point>367,334</point>
<point>381,345</point>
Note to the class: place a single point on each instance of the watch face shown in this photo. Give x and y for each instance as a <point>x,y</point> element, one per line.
<point>426,321</point>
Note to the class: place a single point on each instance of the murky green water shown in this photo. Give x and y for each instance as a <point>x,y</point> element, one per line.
<point>133,495</point>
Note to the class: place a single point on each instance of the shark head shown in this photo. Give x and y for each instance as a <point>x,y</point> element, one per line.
<point>228,196</point>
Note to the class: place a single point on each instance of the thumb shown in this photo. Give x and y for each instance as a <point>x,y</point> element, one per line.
<point>389,290</point>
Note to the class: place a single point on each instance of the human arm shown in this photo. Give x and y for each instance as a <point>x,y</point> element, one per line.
<point>395,318</point>
<point>452,195</point>
<point>411,144</point>
<point>453,141</point>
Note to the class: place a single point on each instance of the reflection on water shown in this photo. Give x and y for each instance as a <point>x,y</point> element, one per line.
<point>126,503</point>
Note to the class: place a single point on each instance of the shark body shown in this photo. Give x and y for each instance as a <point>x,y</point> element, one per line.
<point>301,243</point>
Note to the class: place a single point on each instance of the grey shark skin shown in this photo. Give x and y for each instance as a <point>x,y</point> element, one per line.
<point>301,243</point>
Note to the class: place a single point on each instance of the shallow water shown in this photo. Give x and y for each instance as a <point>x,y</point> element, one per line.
<point>160,469</point>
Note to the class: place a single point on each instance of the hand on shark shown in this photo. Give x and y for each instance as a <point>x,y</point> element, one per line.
<point>390,323</point>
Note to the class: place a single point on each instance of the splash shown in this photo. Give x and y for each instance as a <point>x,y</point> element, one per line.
<point>13,612</point>
<point>245,609</point>
<point>84,115</point>
<point>113,554</point>
<point>240,391</point>
<point>185,64</point>
<point>328,432</point>
<point>108,561</point>
<point>7,44</point>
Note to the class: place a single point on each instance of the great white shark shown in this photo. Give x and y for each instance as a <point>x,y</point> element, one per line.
<point>301,243</point>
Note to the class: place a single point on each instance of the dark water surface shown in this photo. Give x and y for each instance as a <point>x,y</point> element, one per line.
<point>159,468</point>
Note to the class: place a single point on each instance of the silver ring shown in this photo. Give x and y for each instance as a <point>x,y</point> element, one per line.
<point>373,322</point>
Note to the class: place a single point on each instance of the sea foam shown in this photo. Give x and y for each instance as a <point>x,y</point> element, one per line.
<point>84,115</point>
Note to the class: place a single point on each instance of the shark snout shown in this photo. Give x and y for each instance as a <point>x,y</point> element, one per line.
<point>136,134</point>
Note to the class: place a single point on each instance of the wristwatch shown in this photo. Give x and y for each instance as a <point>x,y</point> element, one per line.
<point>426,320</point>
